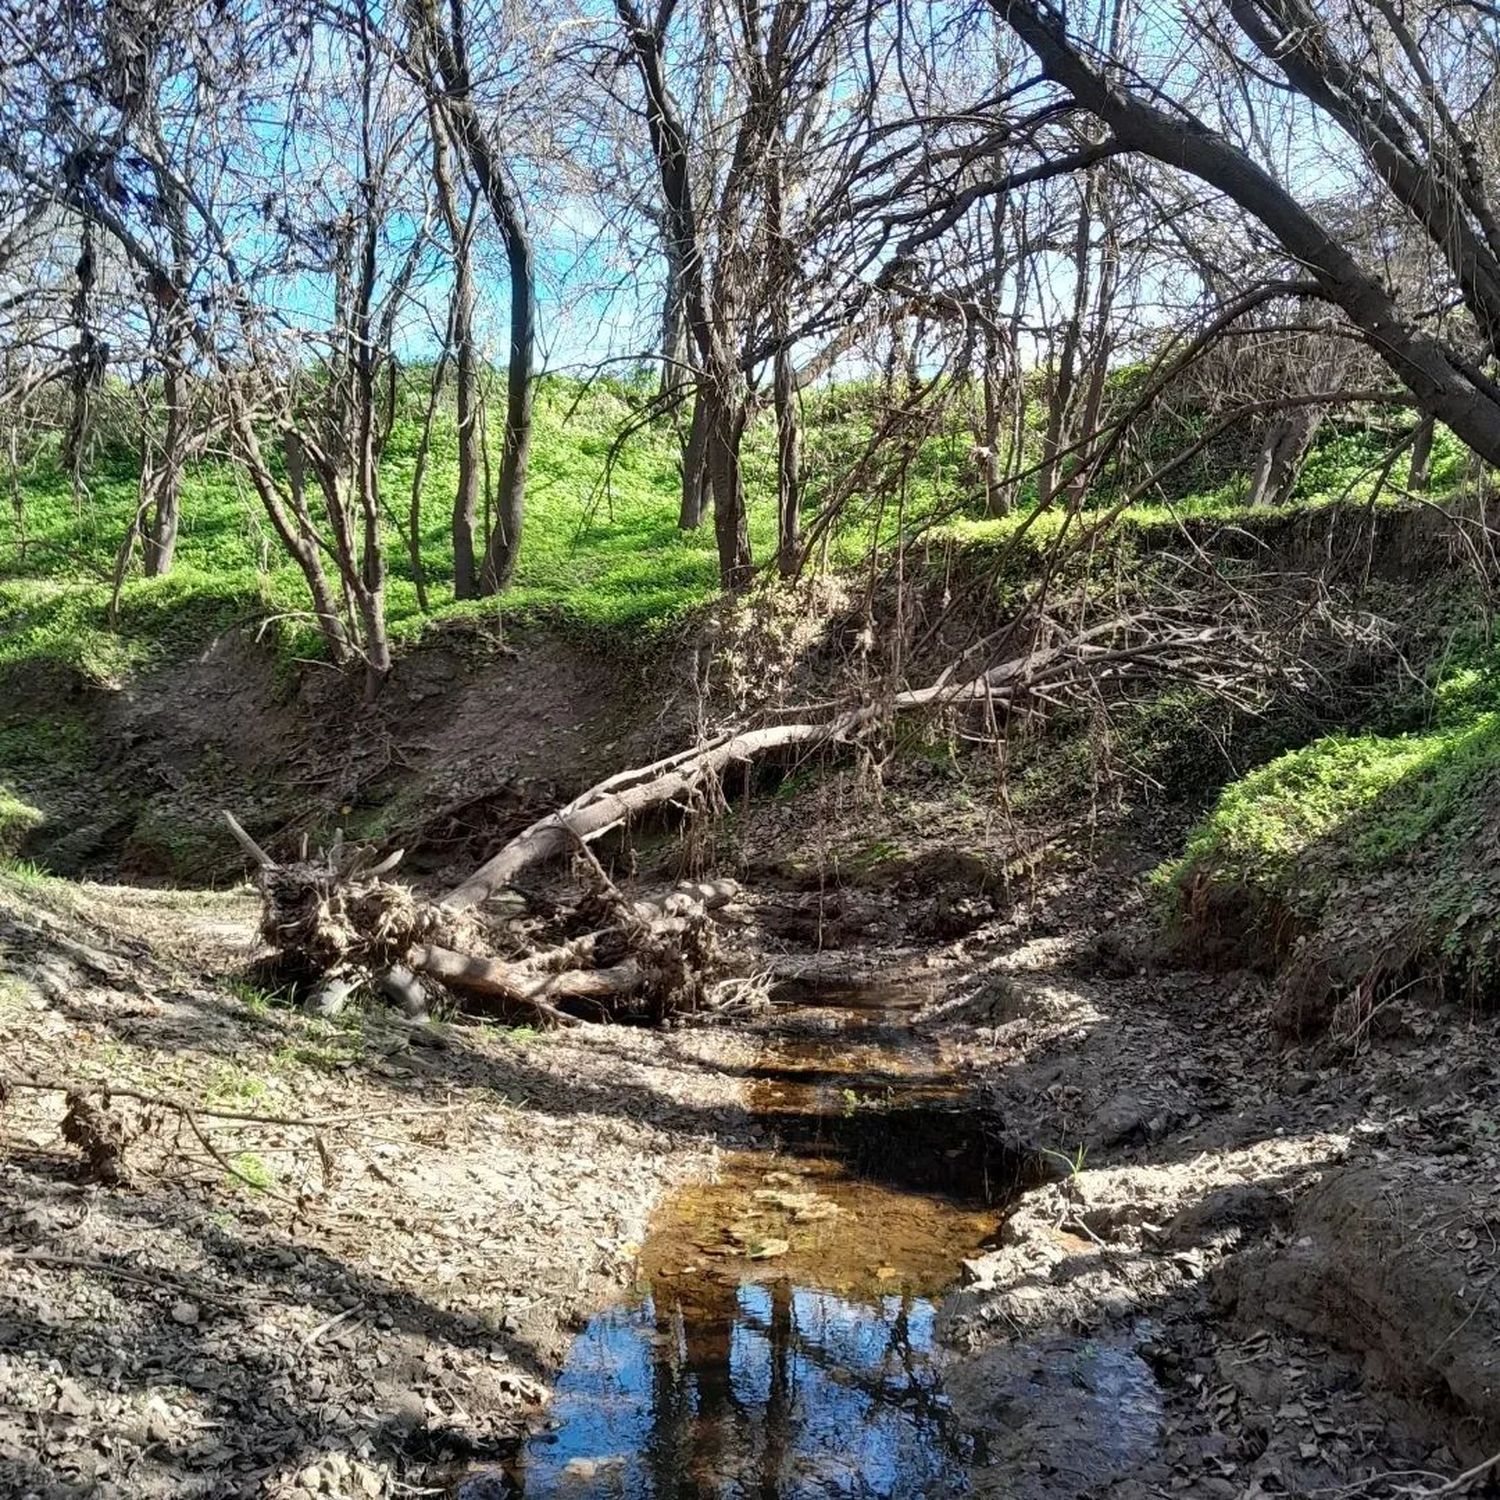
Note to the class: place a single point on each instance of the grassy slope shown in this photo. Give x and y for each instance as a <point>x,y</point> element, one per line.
<point>610,558</point>
<point>597,555</point>
<point>1380,849</point>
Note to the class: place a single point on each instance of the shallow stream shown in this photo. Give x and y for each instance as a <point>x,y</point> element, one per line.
<point>780,1342</point>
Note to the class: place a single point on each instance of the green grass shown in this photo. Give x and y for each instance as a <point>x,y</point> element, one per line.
<point>602,551</point>
<point>1359,835</point>
<point>17,819</point>
<point>26,874</point>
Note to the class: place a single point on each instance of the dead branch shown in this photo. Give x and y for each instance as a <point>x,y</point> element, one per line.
<point>182,1107</point>
<point>247,843</point>
<point>516,984</point>
<point>648,959</point>
<point>628,794</point>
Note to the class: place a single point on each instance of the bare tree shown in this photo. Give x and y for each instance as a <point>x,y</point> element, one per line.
<point>1427,165</point>
<point>449,44</point>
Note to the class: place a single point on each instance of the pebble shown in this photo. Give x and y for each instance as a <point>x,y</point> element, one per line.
<point>184,1312</point>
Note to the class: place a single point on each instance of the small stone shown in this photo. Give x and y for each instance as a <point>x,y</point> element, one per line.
<point>311,1478</point>
<point>185,1313</point>
<point>73,1400</point>
<point>407,1411</point>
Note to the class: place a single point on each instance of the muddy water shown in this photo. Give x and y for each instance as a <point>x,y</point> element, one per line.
<point>781,1340</point>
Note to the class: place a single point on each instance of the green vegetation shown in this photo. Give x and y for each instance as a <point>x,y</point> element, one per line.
<point>251,1170</point>
<point>1375,837</point>
<point>17,819</point>
<point>25,873</point>
<point>602,550</point>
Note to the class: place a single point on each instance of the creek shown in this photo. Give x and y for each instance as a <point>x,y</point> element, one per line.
<point>780,1342</point>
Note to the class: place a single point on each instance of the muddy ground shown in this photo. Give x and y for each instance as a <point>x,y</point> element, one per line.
<point>373,1292</point>
<point>1234,1269</point>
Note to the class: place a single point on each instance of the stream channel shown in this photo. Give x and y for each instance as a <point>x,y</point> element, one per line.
<point>780,1341</point>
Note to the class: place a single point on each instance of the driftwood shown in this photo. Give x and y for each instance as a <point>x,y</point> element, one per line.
<point>1092,654</point>
<point>642,959</point>
<point>334,918</point>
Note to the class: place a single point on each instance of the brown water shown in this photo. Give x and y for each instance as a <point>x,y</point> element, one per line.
<point>780,1342</point>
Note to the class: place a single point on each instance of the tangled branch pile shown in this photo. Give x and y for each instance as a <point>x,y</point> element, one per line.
<point>648,960</point>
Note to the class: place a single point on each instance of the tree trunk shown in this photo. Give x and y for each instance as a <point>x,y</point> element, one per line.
<point>674,328</point>
<point>510,498</point>
<point>720,404</point>
<point>992,395</point>
<point>788,467</point>
<point>1419,474</point>
<point>503,545</point>
<point>160,536</point>
<point>295,530</point>
<point>677,380</point>
<point>1286,446</point>
<point>724,424</point>
<point>418,478</point>
<point>695,489</point>
<point>465,366</point>
<point>466,382</point>
<point>784,380</point>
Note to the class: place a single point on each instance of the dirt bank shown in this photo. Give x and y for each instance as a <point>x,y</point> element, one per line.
<point>1282,1259</point>
<point>1237,1271</point>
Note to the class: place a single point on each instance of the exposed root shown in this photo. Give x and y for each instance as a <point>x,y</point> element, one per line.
<point>313,913</point>
<point>646,961</point>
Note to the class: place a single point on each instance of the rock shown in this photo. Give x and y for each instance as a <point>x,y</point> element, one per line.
<point>407,1411</point>
<point>1375,1265</point>
<point>73,1400</point>
<point>185,1313</point>
<point>1121,1121</point>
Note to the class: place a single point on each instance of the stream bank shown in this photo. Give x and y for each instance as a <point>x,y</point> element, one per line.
<point>1250,1271</point>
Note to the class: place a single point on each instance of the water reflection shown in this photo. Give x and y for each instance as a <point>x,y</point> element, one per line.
<point>761,1389</point>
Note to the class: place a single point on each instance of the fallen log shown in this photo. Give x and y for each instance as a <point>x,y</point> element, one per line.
<point>518,984</point>
<point>646,958</point>
<point>1090,654</point>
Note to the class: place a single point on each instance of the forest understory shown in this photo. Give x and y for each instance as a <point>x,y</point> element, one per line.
<point>260,1243</point>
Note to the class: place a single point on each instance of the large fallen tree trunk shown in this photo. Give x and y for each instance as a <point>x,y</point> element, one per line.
<point>340,925</point>
<point>677,778</point>
<point>647,960</point>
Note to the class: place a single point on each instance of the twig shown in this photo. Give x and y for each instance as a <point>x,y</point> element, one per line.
<point>245,842</point>
<point>330,1323</point>
<point>156,1281</point>
<point>1457,1483</point>
<point>229,1167</point>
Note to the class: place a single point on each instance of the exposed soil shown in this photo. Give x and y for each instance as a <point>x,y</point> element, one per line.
<point>471,738</point>
<point>1297,1246</point>
<point>1120,1237</point>
<point>284,1310</point>
<point>1251,1272</point>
